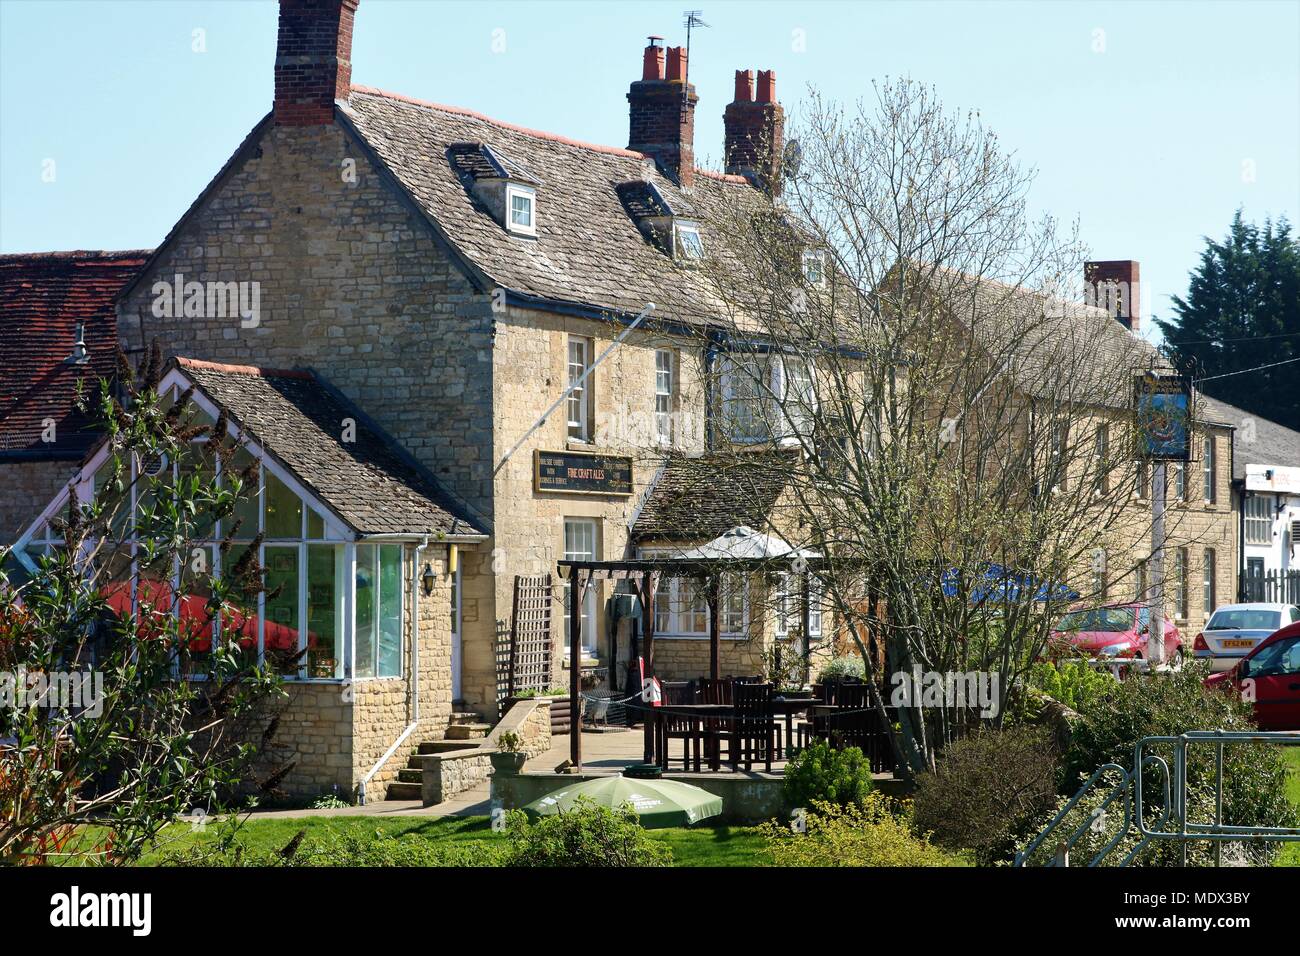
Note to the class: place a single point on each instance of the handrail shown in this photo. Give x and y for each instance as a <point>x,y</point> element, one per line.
<point>1174,805</point>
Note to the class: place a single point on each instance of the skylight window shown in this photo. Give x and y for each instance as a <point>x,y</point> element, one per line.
<point>521,209</point>
<point>689,244</point>
<point>813,270</point>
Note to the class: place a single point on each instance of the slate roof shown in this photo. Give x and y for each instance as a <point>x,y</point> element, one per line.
<point>1273,444</point>
<point>42,298</point>
<point>297,418</point>
<point>698,499</point>
<point>588,250</point>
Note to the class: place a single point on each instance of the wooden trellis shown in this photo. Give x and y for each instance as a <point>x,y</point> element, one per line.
<point>531,651</point>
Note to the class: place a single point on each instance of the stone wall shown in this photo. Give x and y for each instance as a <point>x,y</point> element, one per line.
<point>352,283</point>
<point>28,486</point>
<point>316,733</point>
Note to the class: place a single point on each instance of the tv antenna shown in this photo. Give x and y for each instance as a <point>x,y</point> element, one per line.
<point>690,19</point>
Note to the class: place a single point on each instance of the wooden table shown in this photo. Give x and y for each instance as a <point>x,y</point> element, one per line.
<point>785,707</point>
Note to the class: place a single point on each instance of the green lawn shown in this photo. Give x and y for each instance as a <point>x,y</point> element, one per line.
<point>698,846</point>
<point>1290,855</point>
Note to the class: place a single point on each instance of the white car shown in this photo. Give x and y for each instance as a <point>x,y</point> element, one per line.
<point>1234,630</point>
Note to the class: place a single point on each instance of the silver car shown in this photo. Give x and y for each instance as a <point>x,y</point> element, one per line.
<point>1234,630</point>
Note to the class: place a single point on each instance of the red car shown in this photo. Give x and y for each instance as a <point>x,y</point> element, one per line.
<point>1271,674</point>
<point>1113,631</point>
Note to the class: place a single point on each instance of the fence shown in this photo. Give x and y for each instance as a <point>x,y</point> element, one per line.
<point>1282,587</point>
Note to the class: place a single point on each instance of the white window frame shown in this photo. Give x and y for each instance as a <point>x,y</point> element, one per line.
<point>665,387</point>
<point>683,249</point>
<point>1211,491</point>
<point>1180,576</point>
<point>1209,587</point>
<point>796,420</point>
<point>747,371</point>
<point>814,271</point>
<point>578,407</point>
<point>672,604</point>
<point>335,532</point>
<point>517,191</point>
<point>581,550</point>
<point>787,605</point>
<point>1258,520</point>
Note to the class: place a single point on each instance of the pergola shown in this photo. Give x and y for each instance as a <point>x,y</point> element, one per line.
<point>740,550</point>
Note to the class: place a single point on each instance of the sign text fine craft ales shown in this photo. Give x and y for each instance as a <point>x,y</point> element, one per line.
<point>581,473</point>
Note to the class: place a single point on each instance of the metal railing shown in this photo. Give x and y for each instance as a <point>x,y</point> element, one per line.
<point>1170,823</point>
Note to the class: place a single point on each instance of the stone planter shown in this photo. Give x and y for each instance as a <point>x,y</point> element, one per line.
<point>508,761</point>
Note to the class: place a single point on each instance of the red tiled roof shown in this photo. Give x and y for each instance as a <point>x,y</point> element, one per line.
<point>43,296</point>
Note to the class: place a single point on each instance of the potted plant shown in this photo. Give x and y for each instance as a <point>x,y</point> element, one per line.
<point>510,755</point>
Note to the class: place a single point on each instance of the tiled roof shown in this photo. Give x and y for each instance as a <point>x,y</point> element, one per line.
<point>1256,441</point>
<point>298,419</point>
<point>588,250</point>
<point>42,298</point>
<point>698,499</point>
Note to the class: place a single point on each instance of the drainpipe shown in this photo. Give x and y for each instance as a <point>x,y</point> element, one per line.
<point>415,675</point>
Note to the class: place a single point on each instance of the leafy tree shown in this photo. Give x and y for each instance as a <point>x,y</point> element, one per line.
<point>1242,311</point>
<point>123,601</point>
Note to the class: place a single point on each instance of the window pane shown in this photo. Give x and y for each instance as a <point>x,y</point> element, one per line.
<point>324,610</point>
<point>280,634</point>
<point>390,611</point>
<point>240,621</point>
<point>247,506</point>
<point>577,404</point>
<point>521,210</point>
<point>283,510</point>
<point>315,525</point>
<point>366,595</point>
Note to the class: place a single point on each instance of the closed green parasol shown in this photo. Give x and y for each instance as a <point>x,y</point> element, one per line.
<point>659,803</point>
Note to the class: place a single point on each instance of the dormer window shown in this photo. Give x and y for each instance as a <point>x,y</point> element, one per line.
<point>505,188</point>
<point>687,242</point>
<point>813,268</point>
<point>522,205</point>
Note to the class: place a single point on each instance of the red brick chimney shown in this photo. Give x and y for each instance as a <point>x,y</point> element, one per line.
<point>662,112</point>
<point>1114,286</point>
<point>755,131</point>
<point>313,60</point>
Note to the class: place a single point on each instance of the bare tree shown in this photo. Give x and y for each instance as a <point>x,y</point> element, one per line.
<point>966,440</point>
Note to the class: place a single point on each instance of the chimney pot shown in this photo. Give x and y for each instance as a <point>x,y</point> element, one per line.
<point>662,112</point>
<point>652,66</point>
<point>755,131</point>
<point>676,65</point>
<point>744,86</point>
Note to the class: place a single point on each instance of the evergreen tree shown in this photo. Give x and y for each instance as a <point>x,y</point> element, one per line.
<point>1243,310</point>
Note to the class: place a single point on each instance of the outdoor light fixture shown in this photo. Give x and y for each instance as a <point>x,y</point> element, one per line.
<point>428,578</point>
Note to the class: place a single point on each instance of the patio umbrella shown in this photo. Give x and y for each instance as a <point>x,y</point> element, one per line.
<point>659,803</point>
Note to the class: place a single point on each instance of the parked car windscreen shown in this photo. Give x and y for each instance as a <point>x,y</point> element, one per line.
<point>1098,619</point>
<point>1277,659</point>
<point>1244,619</point>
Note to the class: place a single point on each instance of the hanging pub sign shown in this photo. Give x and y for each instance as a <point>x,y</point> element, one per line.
<point>1164,417</point>
<point>582,473</point>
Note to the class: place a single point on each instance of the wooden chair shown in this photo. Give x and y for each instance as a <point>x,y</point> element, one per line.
<point>715,730</point>
<point>754,725</point>
<point>681,726</point>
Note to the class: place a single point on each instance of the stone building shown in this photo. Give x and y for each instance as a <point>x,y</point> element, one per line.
<point>387,297</point>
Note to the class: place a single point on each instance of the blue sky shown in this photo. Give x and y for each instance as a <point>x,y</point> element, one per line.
<point>1149,121</point>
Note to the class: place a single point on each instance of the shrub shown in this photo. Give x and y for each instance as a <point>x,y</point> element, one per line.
<point>587,835</point>
<point>821,773</point>
<point>510,742</point>
<point>848,665</point>
<point>1169,704</point>
<point>987,791</point>
<point>870,834</point>
<point>1073,683</point>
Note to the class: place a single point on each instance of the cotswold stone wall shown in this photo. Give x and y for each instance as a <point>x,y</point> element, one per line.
<point>316,733</point>
<point>530,371</point>
<point>351,283</point>
<point>26,487</point>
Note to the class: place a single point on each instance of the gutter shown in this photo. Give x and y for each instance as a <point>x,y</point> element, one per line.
<point>415,674</point>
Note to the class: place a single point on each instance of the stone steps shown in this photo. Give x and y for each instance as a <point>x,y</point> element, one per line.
<point>410,775</point>
<point>468,731</point>
<point>402,790</point>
